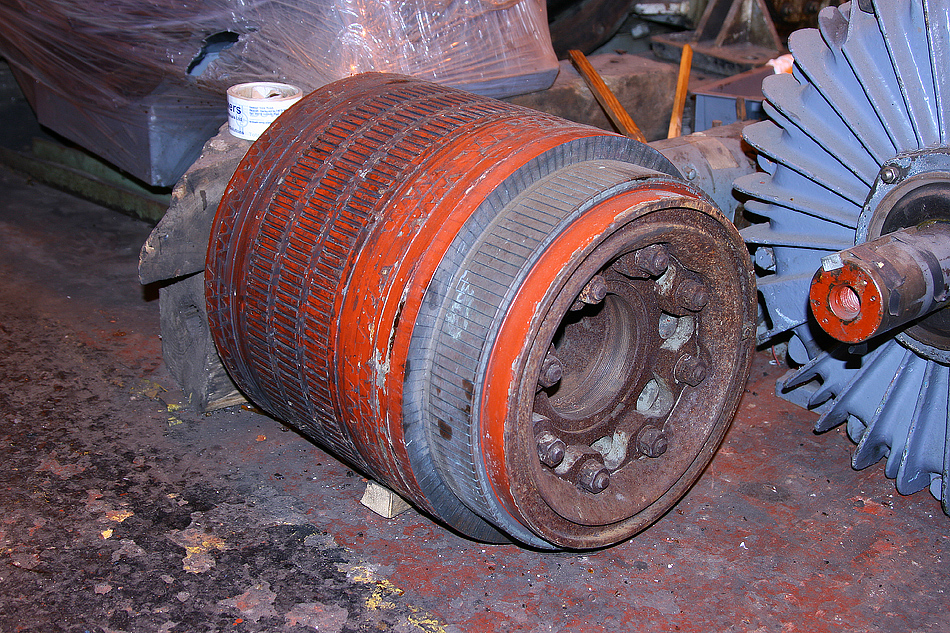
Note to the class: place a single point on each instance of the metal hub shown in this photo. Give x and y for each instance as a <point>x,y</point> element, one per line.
<point>624,425</point>
<point>911,189</point>
<point>625,361</point>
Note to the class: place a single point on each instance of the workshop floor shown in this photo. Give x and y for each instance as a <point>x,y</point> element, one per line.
<point>122,510</point>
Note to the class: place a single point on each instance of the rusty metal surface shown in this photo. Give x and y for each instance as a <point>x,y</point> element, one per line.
<point>712,160</point>
<point>386,274</point>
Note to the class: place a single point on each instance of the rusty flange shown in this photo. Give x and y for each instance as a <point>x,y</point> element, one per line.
<point>394,261</point>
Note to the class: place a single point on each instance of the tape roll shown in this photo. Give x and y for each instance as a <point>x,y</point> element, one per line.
<point>253,106</point>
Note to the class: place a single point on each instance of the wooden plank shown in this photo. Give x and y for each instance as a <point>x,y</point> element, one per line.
<point>608,101</point>
<point>679,100</point>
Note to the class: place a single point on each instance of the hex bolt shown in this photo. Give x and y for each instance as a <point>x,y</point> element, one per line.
<point>652,441</point>
<point>593,476</point>
<point>551,370</point>
<point>890,174</point>
<point>595,290</point>
<point>550,449</point>
<point>653,259</point>
<point>765,258</point>
<point>692,295</point>
<point>690,369</point>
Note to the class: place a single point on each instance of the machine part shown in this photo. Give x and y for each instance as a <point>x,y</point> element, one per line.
<point>788,15</point>
<point>858,148</point>
<point>876,286</point>
<point>680,13</point>
<point>399,268</point>
<point>732,36</point>
<point>166,135</point>
<point>725,101</point>
<point>711,160</point>
<point>791,15</point>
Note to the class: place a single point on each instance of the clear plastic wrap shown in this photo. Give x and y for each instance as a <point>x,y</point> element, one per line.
<point>91,66</point>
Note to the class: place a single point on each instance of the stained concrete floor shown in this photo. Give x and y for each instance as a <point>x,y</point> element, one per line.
<point>122,510</point>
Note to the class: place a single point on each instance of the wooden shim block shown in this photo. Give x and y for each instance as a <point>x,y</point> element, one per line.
<point>383,501</point>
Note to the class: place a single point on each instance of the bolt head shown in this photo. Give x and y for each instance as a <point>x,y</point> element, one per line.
<point>595,290</point>
<point>653,259</point>
<point>550,449</point>
<point>890,174</point>
<point>690,370</point>
<point>692,295</point>
<point>652,441</point>
<point>551,371</point>
<point>593,476</point>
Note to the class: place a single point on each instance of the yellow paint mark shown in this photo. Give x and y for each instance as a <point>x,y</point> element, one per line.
<point>118,515</point>
<point>362,574</point>
<point>378,601</point>
<point>197,546</point>
<point>106,533</point>
<point>426,622</point>
<point>174,407</point>
<point>196,558</point>
<point>384,589</point>
<point>173,421</point>
<point>389,587</point>
<point>148,388</point>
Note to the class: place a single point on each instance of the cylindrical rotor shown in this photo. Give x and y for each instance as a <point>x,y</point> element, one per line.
<point>528,328</point>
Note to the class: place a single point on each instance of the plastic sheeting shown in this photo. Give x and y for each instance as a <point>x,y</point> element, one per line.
<point>103,72</point>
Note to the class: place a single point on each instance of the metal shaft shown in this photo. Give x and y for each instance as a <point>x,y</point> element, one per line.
<point>879,285</point>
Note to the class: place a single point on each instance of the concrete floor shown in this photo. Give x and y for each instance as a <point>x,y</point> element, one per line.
<point>122,510</point>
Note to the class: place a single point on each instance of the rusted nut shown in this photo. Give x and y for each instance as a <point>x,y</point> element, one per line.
<point>690,369</point>
<point>692,295</point>
<point>649,261</point>
<point>595,290</point>
<point>551,371</point>
<point>593,476</point>
<point>653,260</point>
<point>652,441</point>
<point>550,449</point>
